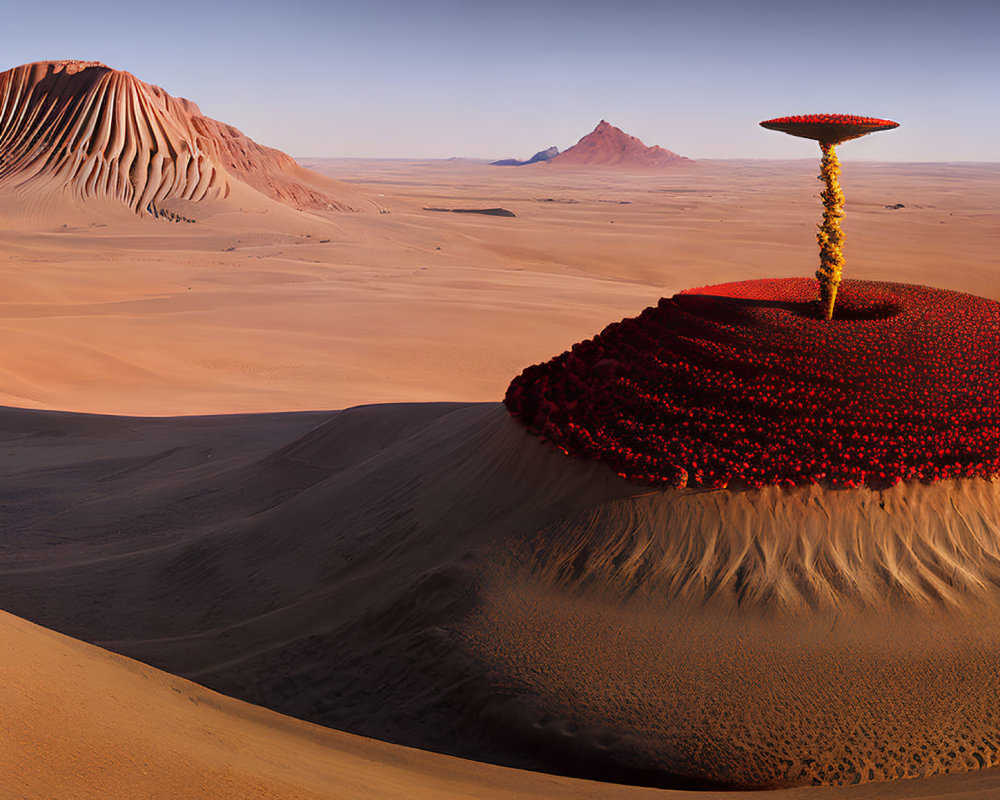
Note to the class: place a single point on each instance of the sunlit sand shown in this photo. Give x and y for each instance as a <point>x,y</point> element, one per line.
<point>312,499</point>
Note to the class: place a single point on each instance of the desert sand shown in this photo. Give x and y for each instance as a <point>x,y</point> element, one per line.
<point>124,730</point>
<point>353,572</point>
<point>379,548</point>
<point>259,313</point>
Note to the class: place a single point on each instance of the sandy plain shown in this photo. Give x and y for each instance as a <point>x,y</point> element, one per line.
<point>255,311</point>
<point>259,312</point>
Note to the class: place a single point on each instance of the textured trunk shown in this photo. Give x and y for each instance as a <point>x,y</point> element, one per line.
<point>830,237</point>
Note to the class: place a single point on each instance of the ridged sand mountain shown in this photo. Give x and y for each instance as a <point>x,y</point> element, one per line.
<point>102,133</point>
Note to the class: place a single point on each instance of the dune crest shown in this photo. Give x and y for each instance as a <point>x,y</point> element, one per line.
<point>101,133</point>
<point>433,575</point>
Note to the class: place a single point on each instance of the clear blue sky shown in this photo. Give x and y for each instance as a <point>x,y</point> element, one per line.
<point>441,78</point>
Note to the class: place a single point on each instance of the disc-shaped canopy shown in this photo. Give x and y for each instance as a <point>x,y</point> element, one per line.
<point>829,128</point>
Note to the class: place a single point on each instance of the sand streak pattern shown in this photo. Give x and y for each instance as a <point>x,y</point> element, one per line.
<point>102,133</point>
<point>435,576</point>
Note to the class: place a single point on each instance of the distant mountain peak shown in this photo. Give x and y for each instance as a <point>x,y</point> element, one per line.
<point>608,145</point>
<point>542,155</point>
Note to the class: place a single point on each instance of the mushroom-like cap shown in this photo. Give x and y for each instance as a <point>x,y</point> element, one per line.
<point>829,128</point>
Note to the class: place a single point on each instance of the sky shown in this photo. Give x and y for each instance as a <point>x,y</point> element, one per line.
<point>445,78</point>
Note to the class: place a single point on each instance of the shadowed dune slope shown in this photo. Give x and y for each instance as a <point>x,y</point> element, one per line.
<point>435,576</point>
<point>82,723</point>
<point>99,133</point>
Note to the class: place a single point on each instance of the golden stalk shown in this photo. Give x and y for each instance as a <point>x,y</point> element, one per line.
<point>830,237</point>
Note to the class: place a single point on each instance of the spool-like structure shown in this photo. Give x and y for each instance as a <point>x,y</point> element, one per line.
<point>829,130</point>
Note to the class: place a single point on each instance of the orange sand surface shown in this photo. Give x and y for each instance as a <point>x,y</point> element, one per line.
<point>80,722</point>
<point>366,569</point>
<point>258,312</point>
<point>434,576</point>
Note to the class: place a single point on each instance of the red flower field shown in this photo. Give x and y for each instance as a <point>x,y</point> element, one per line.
<point>742,384</point>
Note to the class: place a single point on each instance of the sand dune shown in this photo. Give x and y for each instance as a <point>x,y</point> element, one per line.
<point>124,730</point>
<point>430,574</point>
<point>433,575</point>
<point>83,129</point>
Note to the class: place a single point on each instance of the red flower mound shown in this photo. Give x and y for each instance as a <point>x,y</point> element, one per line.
<point>743,384</point>
<point>829,128</point>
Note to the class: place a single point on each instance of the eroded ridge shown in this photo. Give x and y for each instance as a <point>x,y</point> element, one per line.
<point>102,133</point>
<point>793,551</point>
